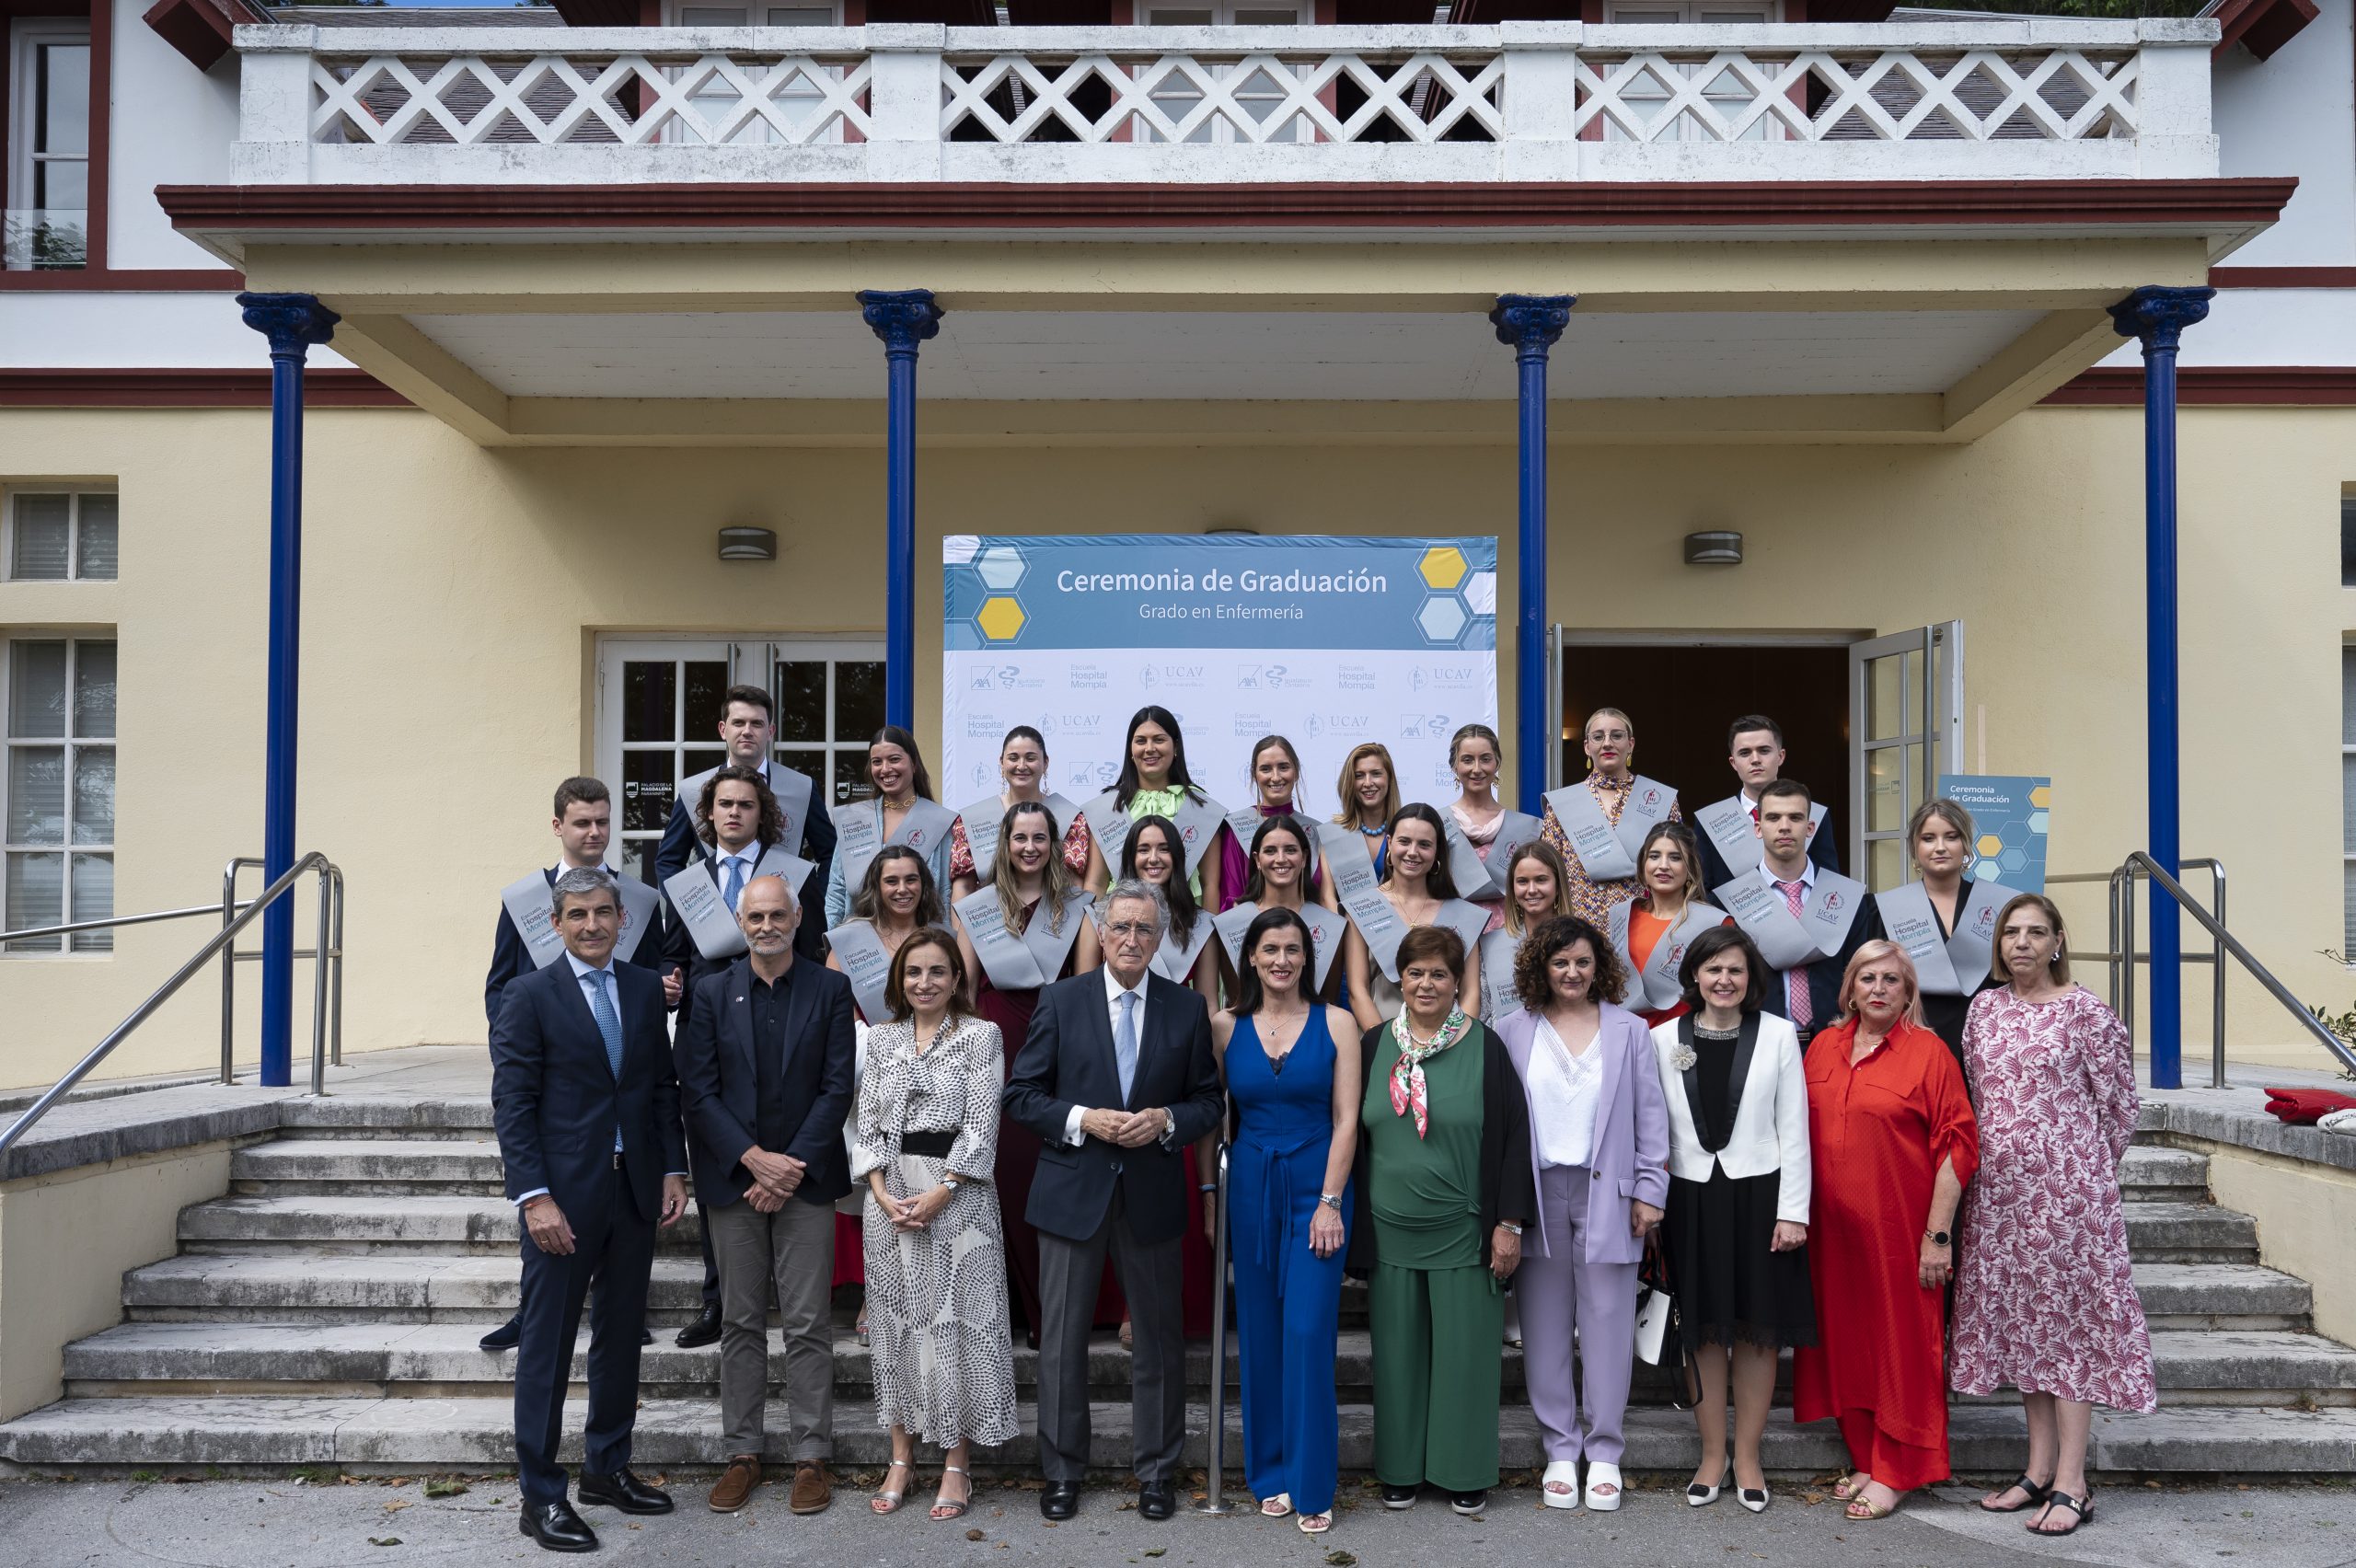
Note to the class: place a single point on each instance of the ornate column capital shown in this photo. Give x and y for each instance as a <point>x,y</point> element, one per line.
<point>292,322</point>
<point>1530,323</point>
<point>2159,316</point>
<point>902,317</point>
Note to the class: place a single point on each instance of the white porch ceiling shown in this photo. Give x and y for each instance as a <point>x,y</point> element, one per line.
<point>1114,356</point>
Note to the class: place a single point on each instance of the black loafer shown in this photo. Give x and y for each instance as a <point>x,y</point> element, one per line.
<point>1156,1502</point>
<point>558,1528</point>
<point>704,1331</point>
<point>1468,1503</point>
<point>623,1490</point>
<point>1061,1500</point>
<point>504,1336</point>
<point>1399,1496</point>
<point>646,1336</point>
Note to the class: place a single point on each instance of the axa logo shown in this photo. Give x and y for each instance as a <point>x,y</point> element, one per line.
<point>980,681</point>
<point>1247,678</point>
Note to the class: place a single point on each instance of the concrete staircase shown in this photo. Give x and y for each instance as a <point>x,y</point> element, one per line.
<point>326,1313</point>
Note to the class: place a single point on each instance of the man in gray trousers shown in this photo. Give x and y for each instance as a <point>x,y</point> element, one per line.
<point>765,1078</point>
<point>1117,1077</point>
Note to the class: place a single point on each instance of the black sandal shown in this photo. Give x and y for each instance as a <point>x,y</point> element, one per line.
<point>2083,1510</point>
<point>2034,1492</point>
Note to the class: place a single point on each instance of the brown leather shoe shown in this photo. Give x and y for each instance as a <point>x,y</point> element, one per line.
<point>735,1489</point>
<point>811,1489</point>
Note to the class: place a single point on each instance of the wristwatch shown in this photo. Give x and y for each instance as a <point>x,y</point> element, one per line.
<point>1208,1187</point>
<point>1509,1228</point>
<point>951,1182</point>
<point>1331,1200</point>
<point>1935,1238</point>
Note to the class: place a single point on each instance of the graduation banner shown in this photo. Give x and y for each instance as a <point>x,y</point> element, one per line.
<point>2008,818</point>
<point>1328,641</point>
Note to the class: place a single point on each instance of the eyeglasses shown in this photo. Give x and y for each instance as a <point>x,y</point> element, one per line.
<point>1130,928</point>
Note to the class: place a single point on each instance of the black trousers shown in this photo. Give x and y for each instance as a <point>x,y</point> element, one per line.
<point>614,1246</point>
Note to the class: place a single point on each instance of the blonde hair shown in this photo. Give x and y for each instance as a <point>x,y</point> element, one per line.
<point>1546,855</point>
<point>1879,952</point>
<point>1350,815</point>
<point>1952,813</point>
<point>2059,967</point>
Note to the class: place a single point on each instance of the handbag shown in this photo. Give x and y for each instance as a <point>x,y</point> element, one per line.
<point>1660,1330</point>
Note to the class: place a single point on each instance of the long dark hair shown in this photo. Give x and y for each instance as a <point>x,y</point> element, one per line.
<point>1247,996</point>
<point>892,734</point>
<point>1183,910</point>
<point>869,899</point>
<point>1709,945</point>
<point>1255,886</point>
<point>1125,789</point>
<point>1054,877</point>
<point>1252,767</point>
<point>1440,881</point>
<point>1531,960</point>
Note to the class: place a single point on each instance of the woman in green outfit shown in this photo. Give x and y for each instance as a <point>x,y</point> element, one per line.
<point>1444,1189</point>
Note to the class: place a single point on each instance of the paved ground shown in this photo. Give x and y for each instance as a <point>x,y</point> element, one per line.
<point>261,1524</point>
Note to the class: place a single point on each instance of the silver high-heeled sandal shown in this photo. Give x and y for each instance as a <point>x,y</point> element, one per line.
<point>943,1511</point>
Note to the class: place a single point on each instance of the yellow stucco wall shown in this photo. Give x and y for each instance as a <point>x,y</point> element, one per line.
<point>2302,1211</point>
<point>453,595</point>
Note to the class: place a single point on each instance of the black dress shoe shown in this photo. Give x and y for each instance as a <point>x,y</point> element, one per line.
<point>558,1528</point>
<point>704,1331</point>
<point>1399,1496</point>
<point>1156,1501</point>
<point>504,1336</point>
<point>646,1336</point>
<point>1468,1503</point>
<point>624,1491</point>
<point>1061,1500</point>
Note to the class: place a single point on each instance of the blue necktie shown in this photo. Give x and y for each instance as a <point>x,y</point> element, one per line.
<point>735,882</point>
<point>610,1024</point>
<point>1125,1044</point>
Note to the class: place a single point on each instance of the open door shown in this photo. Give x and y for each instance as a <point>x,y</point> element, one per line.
<point>1906,713</point>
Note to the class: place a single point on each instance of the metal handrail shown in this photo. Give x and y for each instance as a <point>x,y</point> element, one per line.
<point>2338,1048</point>
<point>2123,956</point>
<point>1212,1501</point>
<point>220,942</point>
<point>328,984</point>
<point>109,923</point>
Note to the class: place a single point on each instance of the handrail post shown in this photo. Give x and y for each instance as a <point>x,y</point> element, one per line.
<point>335,1005</point>
<point>2217,1003</point>
<point>1212,1501</point>
<point>228,977</point>
<point>319,985</point>
<point>2120,957</point>
<point>2127,922</point>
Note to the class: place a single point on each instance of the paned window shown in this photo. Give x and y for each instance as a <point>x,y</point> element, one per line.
<point>60,789</point>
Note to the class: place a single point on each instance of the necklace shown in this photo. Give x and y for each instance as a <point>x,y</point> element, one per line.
<point>1272,1032</point>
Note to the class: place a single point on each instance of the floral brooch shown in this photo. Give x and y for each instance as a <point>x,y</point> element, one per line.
<point>1684,1058</point>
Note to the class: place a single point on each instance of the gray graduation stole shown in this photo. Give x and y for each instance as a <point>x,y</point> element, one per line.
<point>1176,963</point>
<point>1785,942</point>
<point>1196,819</point>
<point>528,902</point>
<point>1466,918</point>
<point>1020,960</point>
<point>1471,873</point>
<point>695,895</point>
<point>861,953</point>
<point>859,835</point>
<point>1246,823</point>
<point>791,786</point>
<point>1361,895</point>
<point>1945,965</point>
<point>1607,853</point>
<point>639,904</point>
<point>1732,832</point>
<point>1325,929</point>
<point>1499,1000</point>
<point>1656,985</point>
<point>983,817</point>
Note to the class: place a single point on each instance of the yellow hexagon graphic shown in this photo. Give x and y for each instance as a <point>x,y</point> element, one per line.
<point>1444,566</point>
<point>1990,844</point>
<point>1000,618</point>
<point>2041,797</point>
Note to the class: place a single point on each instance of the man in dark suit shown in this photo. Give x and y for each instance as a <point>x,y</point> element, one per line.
<point>1117,1078</point>
<point>583,828</point>
<point>748,725</point>
<point>765,1065</point>
<point>1809,994</point>
<point>587,1110</point>
<point>1755,752</point>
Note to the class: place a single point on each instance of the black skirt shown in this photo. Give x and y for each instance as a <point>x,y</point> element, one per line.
<point>1732,1287</point>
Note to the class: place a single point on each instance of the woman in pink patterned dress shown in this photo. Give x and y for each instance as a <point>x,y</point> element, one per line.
<point>2045,1298</point>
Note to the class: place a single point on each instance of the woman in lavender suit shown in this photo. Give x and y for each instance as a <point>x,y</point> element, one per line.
<point>1598,1139</point>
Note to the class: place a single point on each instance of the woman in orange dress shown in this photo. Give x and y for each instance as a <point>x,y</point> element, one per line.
<point>1892,1142</point>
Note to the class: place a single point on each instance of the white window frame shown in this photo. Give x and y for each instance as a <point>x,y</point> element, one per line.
<point>1690,13</point>
<point>85,943</point>
<point>26,36</point>
<point>14,494</point>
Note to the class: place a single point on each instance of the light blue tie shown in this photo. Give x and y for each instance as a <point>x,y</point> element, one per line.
<point>735,881</point>
<point>1125,1044</point>
<point>610,1024</point>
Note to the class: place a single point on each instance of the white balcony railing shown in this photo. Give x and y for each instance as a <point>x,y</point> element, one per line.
<point>1987,98</point>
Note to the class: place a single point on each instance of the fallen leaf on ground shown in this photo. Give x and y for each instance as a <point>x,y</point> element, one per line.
<point>1155,1551</point>
<point>1341,1559</point>
<point>397,1503</point>
<point>383,1540</point>
<point>975,1535</point>
<point>446,1486</point>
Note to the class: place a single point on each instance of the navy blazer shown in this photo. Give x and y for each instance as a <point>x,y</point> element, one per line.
<point>680,842</point>
<point>1824,849</point>
<point>1068,1060</point>
<point>1824,977</point>
<point>720,1081</point>
<point>510,958</point>
<point>555,1102</point>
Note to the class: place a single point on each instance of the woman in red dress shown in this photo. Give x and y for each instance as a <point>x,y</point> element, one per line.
<point>1892,1142</point>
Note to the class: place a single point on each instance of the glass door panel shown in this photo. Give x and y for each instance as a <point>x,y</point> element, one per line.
<point>1906,696</point>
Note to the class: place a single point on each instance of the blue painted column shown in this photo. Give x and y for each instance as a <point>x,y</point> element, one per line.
<point>1530,323</point>
<point>2158,316</point>
<point>903,319</point>
<point>292,322</point>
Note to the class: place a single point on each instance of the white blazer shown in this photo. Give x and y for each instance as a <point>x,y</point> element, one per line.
<point>1770,1125</point>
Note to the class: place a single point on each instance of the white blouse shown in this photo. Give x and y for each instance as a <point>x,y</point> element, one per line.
<point>1564,1091</point>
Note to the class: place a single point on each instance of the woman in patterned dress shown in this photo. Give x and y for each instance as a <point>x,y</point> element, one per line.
<point>1611,742</point>
<point>2045,1300</point>
<point>936,1259</point>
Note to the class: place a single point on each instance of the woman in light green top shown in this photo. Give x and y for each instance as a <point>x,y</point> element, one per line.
<point>1154,782</point>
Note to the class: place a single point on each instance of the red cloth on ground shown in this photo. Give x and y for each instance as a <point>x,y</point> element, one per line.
<point>2305,1107</point>
<point>1878,1134</point>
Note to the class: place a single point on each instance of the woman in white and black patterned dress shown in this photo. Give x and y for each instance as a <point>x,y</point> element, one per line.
<point>936,1254</point>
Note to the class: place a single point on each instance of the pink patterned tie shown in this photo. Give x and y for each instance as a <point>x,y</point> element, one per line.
<point>1796,980</point>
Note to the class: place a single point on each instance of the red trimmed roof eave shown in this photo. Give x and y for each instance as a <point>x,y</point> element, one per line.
<point>199,30</point>
<point>2260,26</point>
<point>2222,203</point>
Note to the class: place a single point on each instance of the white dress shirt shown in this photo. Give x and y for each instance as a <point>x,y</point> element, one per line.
<point>749,858</point>
<point>1114,992</point>
<point>1564,1091</point>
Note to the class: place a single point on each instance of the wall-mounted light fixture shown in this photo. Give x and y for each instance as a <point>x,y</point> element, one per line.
<point>744,543</point>
<point>1218,528</point>
<point>1713,546</point>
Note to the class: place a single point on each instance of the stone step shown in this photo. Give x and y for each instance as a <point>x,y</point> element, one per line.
<point>395,1435</point>
<point>2154,1173</point>
<point>2190,1233</point>
<point>354,1167</point>
<point>2204,1366</point>
<point>361,1115</point>
<point>2223,1295</point>
<point>399,1222</point>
